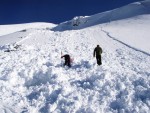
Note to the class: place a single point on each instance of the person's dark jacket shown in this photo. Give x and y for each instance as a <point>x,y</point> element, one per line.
<point>98,51</point>
<point>67,60</point>
<point>67,57</point>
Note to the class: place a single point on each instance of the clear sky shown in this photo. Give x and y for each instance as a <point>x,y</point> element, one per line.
<point>53,11</point>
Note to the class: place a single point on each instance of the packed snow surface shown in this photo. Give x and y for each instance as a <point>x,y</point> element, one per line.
<point>34,80</point>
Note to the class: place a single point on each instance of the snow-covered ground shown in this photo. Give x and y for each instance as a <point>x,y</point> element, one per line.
<point>133,32</point>
<point>33,80</point>
<point>7,29</point>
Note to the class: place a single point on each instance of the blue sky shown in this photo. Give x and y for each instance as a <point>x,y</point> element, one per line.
<point>53,11</point>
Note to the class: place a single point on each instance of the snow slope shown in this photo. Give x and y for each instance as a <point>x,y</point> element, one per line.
<point>33,80</point>
<point>7,29</point>
<point>128,11</point>
<point>133,32</point>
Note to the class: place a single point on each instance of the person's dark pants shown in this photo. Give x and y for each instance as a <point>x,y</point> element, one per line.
<point>67,62</point>
<point>98,58</point>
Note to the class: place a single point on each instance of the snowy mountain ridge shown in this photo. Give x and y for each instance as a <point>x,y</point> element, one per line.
<point>34,80</point>
<point>128,11</point>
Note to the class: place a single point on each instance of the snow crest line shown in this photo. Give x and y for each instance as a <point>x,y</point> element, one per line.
<point>108,34</point>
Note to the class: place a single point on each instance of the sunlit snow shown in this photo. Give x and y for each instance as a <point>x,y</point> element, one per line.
<point>34,80</point>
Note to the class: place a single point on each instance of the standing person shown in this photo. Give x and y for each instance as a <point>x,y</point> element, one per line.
<point>67,60</point>
<point>98,52</point>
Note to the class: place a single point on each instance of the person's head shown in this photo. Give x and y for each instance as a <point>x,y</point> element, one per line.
<point>97,45</point>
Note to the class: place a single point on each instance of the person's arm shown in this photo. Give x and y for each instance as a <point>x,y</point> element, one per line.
<point>101,50</point>
<point>94,52</point>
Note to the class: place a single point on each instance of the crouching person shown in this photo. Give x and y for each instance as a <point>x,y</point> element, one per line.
<point>67,60</point>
